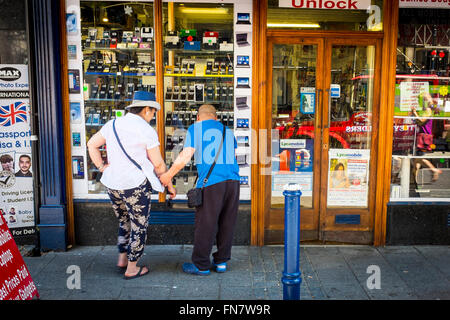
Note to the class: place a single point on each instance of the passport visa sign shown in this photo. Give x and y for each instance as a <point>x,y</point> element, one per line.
<point>16,176</point>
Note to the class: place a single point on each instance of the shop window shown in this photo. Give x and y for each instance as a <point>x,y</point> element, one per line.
<point>326,15</point>
<point>111,55</point>
<point>207,60</point>
<point>207,46</point>
<point>13,33</point>
<point>421,146</point>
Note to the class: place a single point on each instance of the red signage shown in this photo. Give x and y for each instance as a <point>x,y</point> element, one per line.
<point>15,279</point>
<point>326,4</point>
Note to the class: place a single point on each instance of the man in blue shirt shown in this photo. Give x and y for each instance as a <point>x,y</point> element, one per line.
<point>215,219</point>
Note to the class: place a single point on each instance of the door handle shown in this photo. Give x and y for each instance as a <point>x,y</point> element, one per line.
<point>319,105</point>
<point>329,108</point>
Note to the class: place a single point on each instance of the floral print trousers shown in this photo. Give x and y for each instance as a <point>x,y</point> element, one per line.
<point>132,208</point>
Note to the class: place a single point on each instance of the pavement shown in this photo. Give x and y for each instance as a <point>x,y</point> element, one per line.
<point>254,273</point>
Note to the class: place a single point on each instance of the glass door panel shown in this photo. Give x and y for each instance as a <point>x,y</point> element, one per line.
<point>294,106</point>
<point>350,105</point>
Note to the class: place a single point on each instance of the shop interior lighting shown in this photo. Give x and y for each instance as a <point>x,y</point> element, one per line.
<point>294,25</point>
<point>105,16</point>
<point>204,10</point>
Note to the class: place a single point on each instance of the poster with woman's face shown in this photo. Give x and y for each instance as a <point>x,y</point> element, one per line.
<point>348,177</point>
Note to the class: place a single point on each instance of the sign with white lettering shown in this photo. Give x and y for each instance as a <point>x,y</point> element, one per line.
<point>15,279</point>
<point>16,182</point>
<point>326,4</point>
<point>335,91</point>
<point>428,4</point>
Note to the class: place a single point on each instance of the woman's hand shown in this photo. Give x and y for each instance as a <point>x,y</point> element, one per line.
<point>166,179</point>
<point>103,168</point>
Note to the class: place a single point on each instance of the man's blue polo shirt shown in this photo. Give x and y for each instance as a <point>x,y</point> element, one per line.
<point>205,137</point>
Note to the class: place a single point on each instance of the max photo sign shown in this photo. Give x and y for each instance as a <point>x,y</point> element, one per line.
<point>326,4</point>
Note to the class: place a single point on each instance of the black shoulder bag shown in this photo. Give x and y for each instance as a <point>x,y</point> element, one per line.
<point>195,195</point>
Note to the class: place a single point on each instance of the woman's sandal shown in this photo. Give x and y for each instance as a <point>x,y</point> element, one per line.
<point>139,274</point>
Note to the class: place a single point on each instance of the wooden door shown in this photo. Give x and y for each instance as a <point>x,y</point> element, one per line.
<point>294,65</point>
<point>323,97</point>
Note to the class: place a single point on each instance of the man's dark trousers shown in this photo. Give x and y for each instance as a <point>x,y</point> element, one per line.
<point>215,220</point>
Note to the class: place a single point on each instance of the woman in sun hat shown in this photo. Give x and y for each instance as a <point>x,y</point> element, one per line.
<point>134,165</point>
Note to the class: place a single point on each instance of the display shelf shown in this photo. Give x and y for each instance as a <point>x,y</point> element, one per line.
<point>118,49</point>
<point>415,118</point>
<point>434,155</point>
<point>200,102</point>
<point>120,74</point>
<point>106,100</point>
<point>192,76</point>
<point>199,52</point>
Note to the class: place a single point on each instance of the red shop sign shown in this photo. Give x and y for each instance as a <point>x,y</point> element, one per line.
<point>15,279</point>
<point>326,4</point>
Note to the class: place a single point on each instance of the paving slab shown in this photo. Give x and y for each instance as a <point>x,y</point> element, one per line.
<point>254,273</point>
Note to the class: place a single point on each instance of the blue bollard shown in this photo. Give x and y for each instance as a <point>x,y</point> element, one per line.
<point>291,278</point>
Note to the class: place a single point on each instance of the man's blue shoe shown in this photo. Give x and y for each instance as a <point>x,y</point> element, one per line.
<point>220,267</point>
<point>192,269</point>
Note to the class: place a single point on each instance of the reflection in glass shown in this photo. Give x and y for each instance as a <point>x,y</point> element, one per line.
<point>293,113</point>
<point>421,132</point>
<point>198,69</point>
<point>350,108</point>
<point>118,59</point>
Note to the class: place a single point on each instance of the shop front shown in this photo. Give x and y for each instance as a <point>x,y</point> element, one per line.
<point>311,89</point>
<point>322,83</point>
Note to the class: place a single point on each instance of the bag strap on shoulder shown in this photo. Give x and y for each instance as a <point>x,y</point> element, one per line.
<point>215,159</point>
<point>121,146</point>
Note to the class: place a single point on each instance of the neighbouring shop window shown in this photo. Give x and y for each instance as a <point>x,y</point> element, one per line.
<point>421,146</point>
<point>360,15</point>
<point>13,33</point>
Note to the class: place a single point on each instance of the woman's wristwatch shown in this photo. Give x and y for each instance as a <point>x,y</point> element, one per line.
<point>101,167</point>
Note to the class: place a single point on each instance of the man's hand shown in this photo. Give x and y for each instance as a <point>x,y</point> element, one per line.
<point>166,179</point>
<point>172,191</point>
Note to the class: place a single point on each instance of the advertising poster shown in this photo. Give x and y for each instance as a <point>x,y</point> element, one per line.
<point>294,165</point>
<point>16,176</point>
<point>409,94</point>
<point>348,177</point>
<point>307,100</point>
